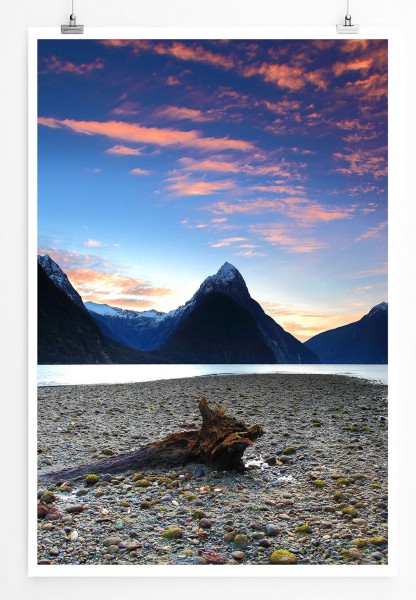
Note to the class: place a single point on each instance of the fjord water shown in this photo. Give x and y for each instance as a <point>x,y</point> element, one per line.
<point>53,375</point>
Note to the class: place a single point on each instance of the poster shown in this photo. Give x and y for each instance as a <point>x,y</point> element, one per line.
<point>206,207</point>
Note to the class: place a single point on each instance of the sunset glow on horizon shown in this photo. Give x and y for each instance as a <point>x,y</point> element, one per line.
<point>159,160</point>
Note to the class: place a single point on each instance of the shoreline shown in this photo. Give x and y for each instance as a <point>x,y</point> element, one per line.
<point>334,424</point>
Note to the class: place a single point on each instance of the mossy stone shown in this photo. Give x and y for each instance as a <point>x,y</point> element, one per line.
<point>241,541</point>
<point>142,483</point>
<point>289,450</point>
<point>319,483</point>
<point>377,541</point>
<point>360,542</point>
<point>91,479</point>
<point>283,557</point>
<point>303,529</point>
<point>173,533</point>
<point>198,514</point>
<point>350,511</point>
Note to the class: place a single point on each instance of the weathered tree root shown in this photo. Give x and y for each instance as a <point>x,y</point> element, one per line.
<point>220,442</point>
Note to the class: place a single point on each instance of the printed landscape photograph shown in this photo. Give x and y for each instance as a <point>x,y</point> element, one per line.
<point>212,316</point>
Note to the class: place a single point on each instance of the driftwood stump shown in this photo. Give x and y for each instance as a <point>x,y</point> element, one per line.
<point>220,442</point>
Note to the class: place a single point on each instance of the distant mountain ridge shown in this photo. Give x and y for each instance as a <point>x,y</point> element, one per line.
<point>362,342</point>
<point>150,330</point>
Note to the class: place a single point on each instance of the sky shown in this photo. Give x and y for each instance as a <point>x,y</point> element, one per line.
<point>159,160</point>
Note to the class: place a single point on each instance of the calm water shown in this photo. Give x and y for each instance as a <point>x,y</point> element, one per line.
<point>93,374</point>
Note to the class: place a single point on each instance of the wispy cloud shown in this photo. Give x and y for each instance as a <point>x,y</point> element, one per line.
<point>138,171</point>
<point>193,52</point>
<point>126,108</point>
<point>93,243</point>
<point>182,185</point>
<point>362,162</point>
<point>227,242</point>
<point>133,132</point>
<point>123,150</point>
<point>373,232</point>
<point>287,239</point>
<point>53,64</point>
<point>181,113</point>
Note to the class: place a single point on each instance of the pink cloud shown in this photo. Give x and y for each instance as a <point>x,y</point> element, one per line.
<point>221,166</point>
<point>305,212</point>
<point>187,52</point>
<point>360,64</point>
<point>288,77</point>
<point>93,244</point>
<point>123,150</point>
<point>182,185</point>
<point>277,234</point>
<point>133,132</point>
<point>179,113</point>
<point>362,162</point>
<point>138,171</point>
<point>126,108</point>
<point>373,232</point>
<point>227,242</point>
<point>58,66</point>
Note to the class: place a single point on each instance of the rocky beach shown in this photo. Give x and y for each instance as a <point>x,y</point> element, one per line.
<point>314,491</point>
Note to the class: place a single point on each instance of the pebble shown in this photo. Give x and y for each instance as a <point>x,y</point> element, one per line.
<point>205,523</point>
<point>238,555</point>
<point>270,530</point>
<point>75,508</point>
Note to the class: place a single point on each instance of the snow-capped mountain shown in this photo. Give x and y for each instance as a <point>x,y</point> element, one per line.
<point>60,279</point>
<point>362,342</point>
<point>150,330</point>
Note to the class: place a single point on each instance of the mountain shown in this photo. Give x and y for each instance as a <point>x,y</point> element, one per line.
<point>60,279</point>
<point>68,335</point>
<point>217,331</point>
<point>362,342</point>
<point>151,330</point>
<point>145,330</point>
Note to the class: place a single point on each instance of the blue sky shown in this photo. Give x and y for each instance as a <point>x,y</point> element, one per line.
<point>160,159</point>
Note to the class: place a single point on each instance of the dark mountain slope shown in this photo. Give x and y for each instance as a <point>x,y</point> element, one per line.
<point>362,342</point>
<point>217,331</point>
<point>68,335</point>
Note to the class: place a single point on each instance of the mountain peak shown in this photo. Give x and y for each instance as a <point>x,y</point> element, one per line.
<point>59,278</point>
<point>227,271</point>
<point>382,307</point>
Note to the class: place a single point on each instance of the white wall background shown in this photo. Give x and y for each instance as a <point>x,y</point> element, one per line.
<point>16,17</point>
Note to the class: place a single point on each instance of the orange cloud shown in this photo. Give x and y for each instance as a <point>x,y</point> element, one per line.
<point>99,282</point>
<point>371,89</point>
<point>123,150</point>
<point>184,186</point>
<point>277,234</point>
<point>191,53</point>
<point>283,107</point>
<point>220,166</point>
<point>58,66</point>
<point>363,162</point>
<point>305,212</point>
<point>373,232</point>
<point>242,207</point>
<point>363,64</point>
<point>133,132</point>
<point>289,77</point>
